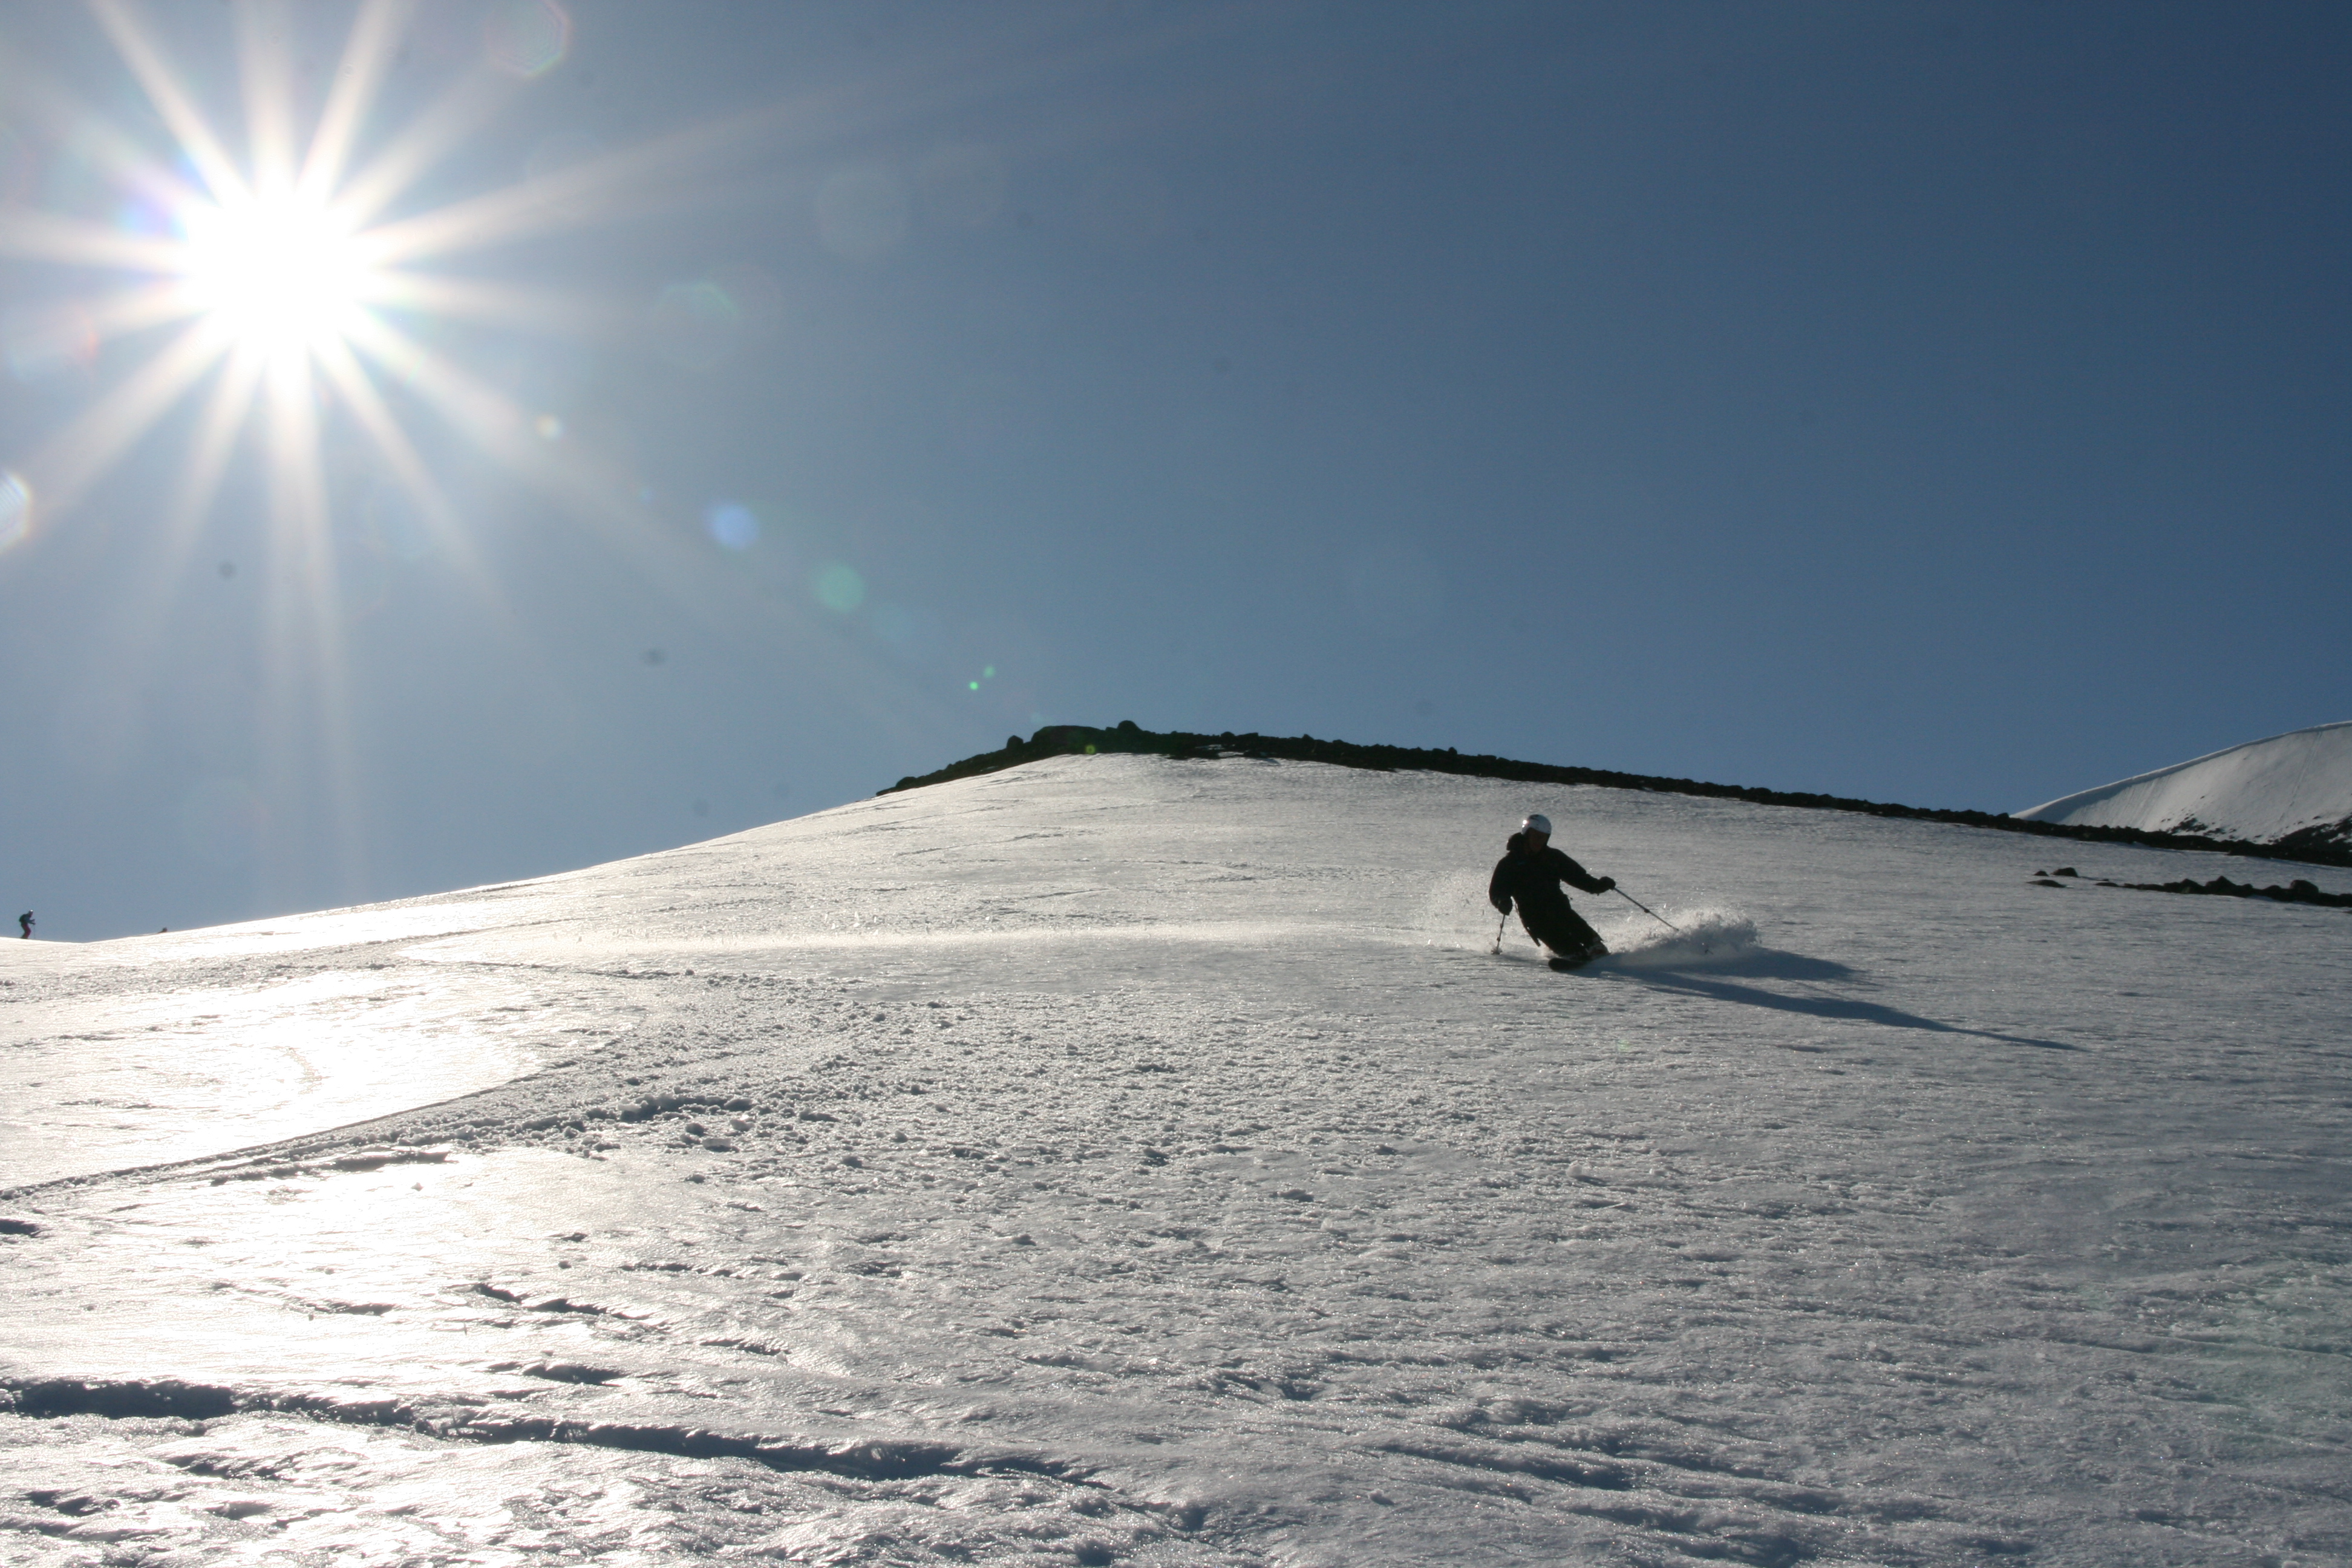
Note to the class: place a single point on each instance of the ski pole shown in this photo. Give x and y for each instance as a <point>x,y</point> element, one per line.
<point>1704,946</point>
<point>1651,912</point>
<point>1498,933</point>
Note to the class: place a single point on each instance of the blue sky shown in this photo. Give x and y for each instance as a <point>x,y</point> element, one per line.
<point>1944,404</point>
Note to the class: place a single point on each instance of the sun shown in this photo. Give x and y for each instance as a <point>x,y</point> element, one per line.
<point>276,274</point>
<point>291,284</point>
<point>288,290</point>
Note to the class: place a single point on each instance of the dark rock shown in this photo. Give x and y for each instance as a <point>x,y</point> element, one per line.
<point>572,1372</point>
<point>2299,891</point>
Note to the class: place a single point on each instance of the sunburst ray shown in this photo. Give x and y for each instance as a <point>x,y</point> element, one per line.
<point>375,33</point>
<point>266,72</point>
<point>133,40</point>
<point>108,429</point>
<point>32,235</point>
<point>468,105</point>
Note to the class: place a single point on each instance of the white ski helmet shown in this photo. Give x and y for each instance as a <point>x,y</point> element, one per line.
<point>1538,822</point>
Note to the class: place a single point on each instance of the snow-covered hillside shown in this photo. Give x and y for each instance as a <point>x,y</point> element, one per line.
<point>1119,1160</point>
<point>2261,791</point>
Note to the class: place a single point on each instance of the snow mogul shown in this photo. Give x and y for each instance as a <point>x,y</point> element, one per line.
<point>1530,875</point>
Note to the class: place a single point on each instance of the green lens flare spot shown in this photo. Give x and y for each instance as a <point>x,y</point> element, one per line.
<point>975,685</point>
<point>839,588</point>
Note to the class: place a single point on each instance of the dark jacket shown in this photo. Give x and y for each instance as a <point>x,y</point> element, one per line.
<point>1534,879</point>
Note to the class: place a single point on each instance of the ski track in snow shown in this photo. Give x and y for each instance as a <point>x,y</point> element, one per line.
<point>1117,1160</point>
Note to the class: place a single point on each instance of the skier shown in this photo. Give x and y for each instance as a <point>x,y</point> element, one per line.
<point>1531,874</point>
<point>24,923</point>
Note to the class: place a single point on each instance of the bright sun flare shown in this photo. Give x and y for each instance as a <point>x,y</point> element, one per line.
<point>293,290</point>
<point>277,272</point>
<point>302,289</point>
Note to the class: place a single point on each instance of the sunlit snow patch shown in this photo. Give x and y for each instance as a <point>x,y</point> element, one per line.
<point>1706,937</point>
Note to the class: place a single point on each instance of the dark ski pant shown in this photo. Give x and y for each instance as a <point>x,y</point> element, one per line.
<point>1563,930</point>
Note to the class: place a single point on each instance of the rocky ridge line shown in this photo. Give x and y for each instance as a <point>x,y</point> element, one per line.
<point>2310,846</point>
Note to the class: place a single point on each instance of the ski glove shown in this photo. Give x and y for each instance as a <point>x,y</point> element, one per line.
<point>1608,884</point>
<point>1502,906</point>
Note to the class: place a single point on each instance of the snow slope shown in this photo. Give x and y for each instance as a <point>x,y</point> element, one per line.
<point>1124,1160</point>
<point>2260,792</point>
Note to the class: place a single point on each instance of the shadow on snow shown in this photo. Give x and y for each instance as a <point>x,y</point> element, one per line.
<point>1764,962</point>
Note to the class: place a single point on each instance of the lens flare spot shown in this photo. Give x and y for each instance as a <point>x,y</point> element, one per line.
<point>696,325</point>
<point>839,588</point>
<point>548,426</point>
<point>15,509</point>
<point>732,524</point>
<point>973,684</point>
<point>988,673</point>
<point>757,298</point>
<point>526,38</point>
<point>141,216</point>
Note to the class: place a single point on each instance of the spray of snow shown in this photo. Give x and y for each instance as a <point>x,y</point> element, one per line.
<point>1455,914</point>
<point>1708,938</point>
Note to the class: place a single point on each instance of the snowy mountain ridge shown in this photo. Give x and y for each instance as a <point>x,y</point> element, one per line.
<point>2322,846</point>
<point>2293,790</point>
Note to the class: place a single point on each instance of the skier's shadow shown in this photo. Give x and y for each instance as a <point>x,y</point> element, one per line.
<point>1764,962</point>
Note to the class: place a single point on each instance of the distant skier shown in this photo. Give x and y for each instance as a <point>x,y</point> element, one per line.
<point>25,925</point>
<point>1531,874</point>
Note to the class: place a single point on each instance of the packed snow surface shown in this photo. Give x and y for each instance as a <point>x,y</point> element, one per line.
<point>1119,1160</point>
<point>2259,792</point>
